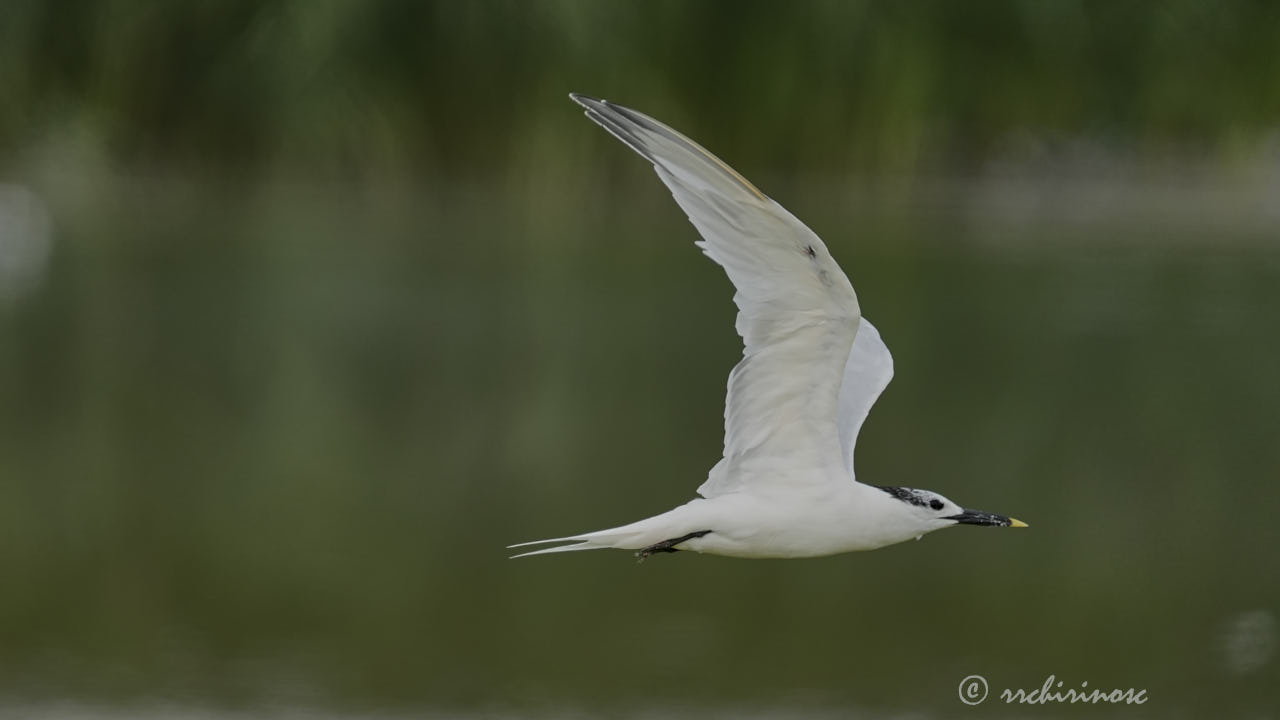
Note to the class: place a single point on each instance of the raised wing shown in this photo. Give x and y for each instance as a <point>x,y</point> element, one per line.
<point>797,312</point>
<point>866,374</point>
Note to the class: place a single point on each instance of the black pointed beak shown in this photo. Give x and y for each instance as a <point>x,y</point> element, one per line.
<point>977,517</point>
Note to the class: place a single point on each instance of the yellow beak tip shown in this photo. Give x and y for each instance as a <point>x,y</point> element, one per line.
<point>1014,522</point>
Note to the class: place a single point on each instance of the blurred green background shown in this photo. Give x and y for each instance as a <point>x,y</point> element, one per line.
<point>309,307</point>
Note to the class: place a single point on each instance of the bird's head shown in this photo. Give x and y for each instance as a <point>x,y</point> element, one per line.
<point>934,512</point>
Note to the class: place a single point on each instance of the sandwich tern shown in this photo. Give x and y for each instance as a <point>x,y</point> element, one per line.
<point>811,368</point>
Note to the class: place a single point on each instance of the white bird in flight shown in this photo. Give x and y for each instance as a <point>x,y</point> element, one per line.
<point>811,368</point>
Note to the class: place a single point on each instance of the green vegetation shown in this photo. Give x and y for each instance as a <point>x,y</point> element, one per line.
<point>438,89</point>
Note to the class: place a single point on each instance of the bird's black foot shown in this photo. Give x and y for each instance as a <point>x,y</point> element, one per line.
<point>668,546</point>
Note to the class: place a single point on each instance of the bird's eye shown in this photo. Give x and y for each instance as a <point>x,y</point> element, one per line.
<point>936,504</point>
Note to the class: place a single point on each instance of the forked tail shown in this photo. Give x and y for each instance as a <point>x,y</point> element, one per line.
<point>638,535</point>
<point>584,545</point>
<point>628,537</point>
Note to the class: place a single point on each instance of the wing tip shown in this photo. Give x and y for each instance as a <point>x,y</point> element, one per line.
<point>611,117</point>
<point>585,101</point>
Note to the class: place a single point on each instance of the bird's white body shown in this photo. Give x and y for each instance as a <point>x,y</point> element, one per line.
<point>840,519</point>
<point>811,369</point>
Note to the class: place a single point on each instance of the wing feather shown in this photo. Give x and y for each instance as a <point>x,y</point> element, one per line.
<point>797,312</point>
<point>866,374</point>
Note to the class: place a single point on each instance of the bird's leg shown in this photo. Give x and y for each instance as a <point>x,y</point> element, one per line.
<point>668,546</point>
